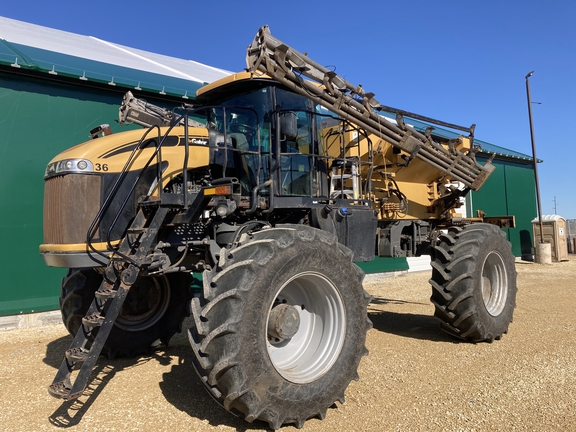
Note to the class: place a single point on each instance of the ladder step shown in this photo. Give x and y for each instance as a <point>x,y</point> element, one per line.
<point>342,194</point>
<point>93,320</point>
<point>60,390</point>
<point>61,386</point>
<point>105,294</point>
<point>149,201</point>
<point>114,292</point>
<point>135,230</point>
<point>77,354</point>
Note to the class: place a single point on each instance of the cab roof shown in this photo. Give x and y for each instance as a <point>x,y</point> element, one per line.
<point>229,83</point>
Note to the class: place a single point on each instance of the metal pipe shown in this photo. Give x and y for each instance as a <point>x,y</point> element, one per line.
<point>535,160</point>
<point>185,167</point>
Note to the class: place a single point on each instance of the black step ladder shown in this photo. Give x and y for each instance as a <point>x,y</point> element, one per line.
<point>121,273</point>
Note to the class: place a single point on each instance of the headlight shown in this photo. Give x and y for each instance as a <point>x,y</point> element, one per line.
<point>69,166</point>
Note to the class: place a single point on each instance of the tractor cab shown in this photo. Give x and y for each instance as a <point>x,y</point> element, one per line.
<point>264,134</point>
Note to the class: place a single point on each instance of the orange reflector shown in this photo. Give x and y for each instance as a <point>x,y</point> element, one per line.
<point>219,190</point>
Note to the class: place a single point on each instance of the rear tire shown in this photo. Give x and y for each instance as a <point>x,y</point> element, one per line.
<point>152,312</point>
<point>474,282</point>
<point>280,329</point>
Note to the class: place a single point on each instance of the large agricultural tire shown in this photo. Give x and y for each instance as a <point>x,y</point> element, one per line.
<point>474,282</point>
<point>281,326</point>
<point>152,312</point>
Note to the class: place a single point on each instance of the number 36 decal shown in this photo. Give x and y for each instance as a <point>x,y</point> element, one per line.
<point>101,167</point>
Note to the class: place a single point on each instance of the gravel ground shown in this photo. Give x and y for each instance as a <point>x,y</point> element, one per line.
<point>416,378</point>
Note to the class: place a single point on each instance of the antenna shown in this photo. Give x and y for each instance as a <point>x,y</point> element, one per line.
<point>555,205</point>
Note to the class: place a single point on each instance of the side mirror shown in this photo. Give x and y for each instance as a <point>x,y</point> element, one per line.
<point>288,125</point>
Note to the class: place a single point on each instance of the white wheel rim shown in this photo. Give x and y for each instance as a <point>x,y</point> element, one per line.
<point>494,284</point>
<point>312,351</point>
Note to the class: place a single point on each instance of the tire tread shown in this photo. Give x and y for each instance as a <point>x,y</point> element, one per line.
<point>455,293</point>
<point>218,317</point>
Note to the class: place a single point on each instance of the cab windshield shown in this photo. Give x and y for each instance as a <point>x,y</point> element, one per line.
<point>274,134</point>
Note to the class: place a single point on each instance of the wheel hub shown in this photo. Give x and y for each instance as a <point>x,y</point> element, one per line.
<point>283,323</point>
<point>494,284</point>
<point>308,314</point>
<point>145,305</point>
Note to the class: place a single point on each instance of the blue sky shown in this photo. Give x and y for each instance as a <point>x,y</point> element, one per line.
<point>460,61</point>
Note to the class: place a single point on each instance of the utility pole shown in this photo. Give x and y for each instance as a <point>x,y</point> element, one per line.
<point>535,160</point>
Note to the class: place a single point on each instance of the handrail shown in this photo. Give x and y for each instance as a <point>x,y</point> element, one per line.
<point>95,225</point>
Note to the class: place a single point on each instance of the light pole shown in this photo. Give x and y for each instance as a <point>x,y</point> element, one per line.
<point>535,160</point>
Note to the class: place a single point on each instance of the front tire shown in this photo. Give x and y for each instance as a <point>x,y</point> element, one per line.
<point>151,314</point>
<point>474,282</point>
<point>280,329</point>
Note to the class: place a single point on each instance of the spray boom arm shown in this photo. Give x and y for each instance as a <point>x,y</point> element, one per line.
<point>143,113</point>
<point>281,62</point>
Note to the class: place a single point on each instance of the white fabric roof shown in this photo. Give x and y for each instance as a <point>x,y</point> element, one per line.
<point>92,48</point>
<point>548,218</point>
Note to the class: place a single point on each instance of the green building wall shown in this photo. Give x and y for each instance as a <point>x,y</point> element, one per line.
<point>38,119</point>
<point>510,190</point>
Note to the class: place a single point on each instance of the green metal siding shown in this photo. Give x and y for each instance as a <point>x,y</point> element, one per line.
<point>510,190</point>
<point>381,265</point>
<point>38,119</point>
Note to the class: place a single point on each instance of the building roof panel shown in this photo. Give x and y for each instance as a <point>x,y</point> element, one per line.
<point>42,48</point>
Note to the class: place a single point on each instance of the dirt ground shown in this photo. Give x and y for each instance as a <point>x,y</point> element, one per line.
<point>416,378</point>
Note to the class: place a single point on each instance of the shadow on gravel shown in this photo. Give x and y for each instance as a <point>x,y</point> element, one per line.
<point>55,351</point>
<point>414,326</point>
<point>182,388</point>
<point>385,301</point>
<point>70,413</point>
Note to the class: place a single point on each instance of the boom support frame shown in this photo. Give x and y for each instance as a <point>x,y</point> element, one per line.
<point>288,66</point>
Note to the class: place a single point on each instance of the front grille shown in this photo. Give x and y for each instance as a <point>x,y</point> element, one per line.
<point>70,204</point>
